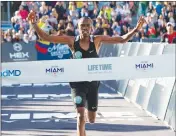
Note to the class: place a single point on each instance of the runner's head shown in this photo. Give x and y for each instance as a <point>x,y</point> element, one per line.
<point>84,25</point>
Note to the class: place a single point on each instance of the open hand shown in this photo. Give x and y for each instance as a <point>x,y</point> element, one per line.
<point>32,17</point>
<point>140,23</point>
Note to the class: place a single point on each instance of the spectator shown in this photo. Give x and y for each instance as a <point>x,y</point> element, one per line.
<point>164,13</point>
<point>8,36</point>
<point>98,30</point>
<point>112,4</point>
<point>163,28</point>
<point>33,6</point>
<point>23,13</point>
<point>2,35</point>
<point>32,36</point>
<point>43,10</point>
<point>168,8</point>
<point>55,14</point>
<point>16,38</point>
<point>95,15</point>
<point>17,16</point>
<point>107,13</point>
<point>117,29</point>
<point>26,38</point>
<point>25,25</point>
<point>13,21</point>
<point>128,19</point>
<point>170,35</point>
<point>91,6</point>
<point>79,6</point>
<point>21,33</point>
<point>101,13</point>
<point>119,9</point>
<point>60,10</point>
<point>25,6</point>
<point>126,10</point>
<point>84,12</point>
<point>69,19</point>
<point>159,6</point>
<point>154,16</point>
<point>160,20</point>
<point>142,8</point>
<point>132,7</point>
<point>52,20</point>
<point>70,29</point>
<point>105,23</point>
<point>151,32</point>
<point>61,25</point>
<point>74,13</point>
<point>150,7</point>
<point>113,14</point>
<point>171,17</point>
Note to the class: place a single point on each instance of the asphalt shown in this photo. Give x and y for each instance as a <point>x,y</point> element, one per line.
<point>48,111</point>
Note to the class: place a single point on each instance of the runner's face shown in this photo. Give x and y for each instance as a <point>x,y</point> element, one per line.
<point>85,27</point>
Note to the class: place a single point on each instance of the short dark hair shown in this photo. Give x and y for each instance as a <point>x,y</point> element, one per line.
<point>86,18</point>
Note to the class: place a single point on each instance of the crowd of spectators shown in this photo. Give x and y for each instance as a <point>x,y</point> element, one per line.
<point>161,19</point>
<point>109,18</point>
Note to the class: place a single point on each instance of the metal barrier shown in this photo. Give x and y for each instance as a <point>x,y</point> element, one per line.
<point>133,85</point>
<point>147,85</point>
<point>160,96</point>
<point>170,114</point>
<point>155,95</point>
<point>125,49</point>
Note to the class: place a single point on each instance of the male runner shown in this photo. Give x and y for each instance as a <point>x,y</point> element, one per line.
<point>84,46</point>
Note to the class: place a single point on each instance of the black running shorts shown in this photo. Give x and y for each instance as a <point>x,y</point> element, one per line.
<point>85,94</point>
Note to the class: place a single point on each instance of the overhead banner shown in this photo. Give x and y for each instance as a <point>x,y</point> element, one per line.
<point>112,68</point>
<point>18,51</point>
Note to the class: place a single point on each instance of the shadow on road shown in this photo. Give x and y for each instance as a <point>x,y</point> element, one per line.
<point>71,125</point>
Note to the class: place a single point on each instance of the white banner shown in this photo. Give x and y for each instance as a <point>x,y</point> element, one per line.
<point>111,68</point>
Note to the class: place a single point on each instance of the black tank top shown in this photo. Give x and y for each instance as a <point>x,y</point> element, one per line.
<point>79,53</point>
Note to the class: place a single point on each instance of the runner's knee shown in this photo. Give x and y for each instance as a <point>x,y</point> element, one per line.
<point>91,116</point>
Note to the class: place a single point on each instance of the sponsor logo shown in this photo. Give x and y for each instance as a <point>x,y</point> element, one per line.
<point>17,47</point>
<point>78,99</point>
<point>10,73</point>
<point>94,107</point>
<point>58,50</point>
<point>100,68</point>
<point>91,51</point>
<point>144,65</point>
<point>78,55</point>
<point>54,70</point>
<point>18,55</point>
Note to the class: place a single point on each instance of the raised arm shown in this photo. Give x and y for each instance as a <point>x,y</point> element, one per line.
<point>121,39</point>
<point>54,39</point>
